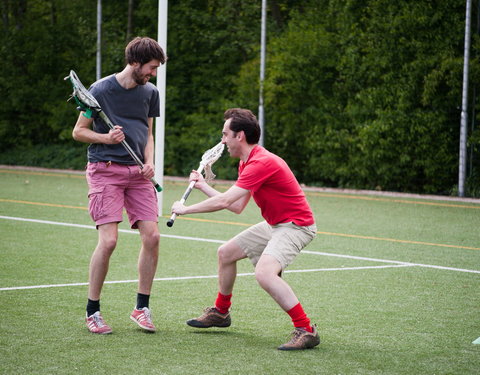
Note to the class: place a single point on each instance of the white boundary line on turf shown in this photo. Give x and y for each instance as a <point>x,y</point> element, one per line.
<point>392,261</point>
<point>83,226</point>
<point>199,277</point>
<point>129,231</point>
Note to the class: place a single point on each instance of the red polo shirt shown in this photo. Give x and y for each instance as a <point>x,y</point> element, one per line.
<point>274,188</point>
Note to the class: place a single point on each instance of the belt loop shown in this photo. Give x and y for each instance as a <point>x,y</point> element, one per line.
<point>108,163</point>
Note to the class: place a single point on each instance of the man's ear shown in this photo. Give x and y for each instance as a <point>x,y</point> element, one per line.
<point>241,135</point>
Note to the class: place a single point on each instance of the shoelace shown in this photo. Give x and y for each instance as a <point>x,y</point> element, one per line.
<point>147,314</point>
<point>98,320</point>
<point>209,310</point>
<point>296,335</point>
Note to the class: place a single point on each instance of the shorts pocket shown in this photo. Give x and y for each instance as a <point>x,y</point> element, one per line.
<point>95,203</point>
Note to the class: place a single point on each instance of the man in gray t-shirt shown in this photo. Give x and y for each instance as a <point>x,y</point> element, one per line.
<point>115,181</point>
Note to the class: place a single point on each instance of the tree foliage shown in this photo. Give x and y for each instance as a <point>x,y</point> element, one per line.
<point>358,93</point>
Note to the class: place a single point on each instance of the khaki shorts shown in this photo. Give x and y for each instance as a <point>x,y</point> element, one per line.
<point>282,241</point>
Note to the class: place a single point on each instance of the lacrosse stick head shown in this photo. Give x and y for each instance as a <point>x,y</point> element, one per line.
<point>209,157</point>
<point>84,99</point>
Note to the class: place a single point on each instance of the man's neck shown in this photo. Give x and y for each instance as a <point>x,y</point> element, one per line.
<point>246,152</point>
<point>124,78</point>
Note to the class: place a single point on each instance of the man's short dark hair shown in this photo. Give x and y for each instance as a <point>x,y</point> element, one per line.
<point>142,50</point>
<point>243,119</point>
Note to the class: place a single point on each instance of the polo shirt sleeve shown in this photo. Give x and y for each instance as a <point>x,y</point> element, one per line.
<point>253,175</point>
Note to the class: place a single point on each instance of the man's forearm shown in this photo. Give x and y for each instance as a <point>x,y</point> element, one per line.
<point>212,204</point>
<point>208,190</point>
<point>149,151</point>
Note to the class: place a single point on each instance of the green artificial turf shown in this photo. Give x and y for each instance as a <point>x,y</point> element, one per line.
<point>391,282</point>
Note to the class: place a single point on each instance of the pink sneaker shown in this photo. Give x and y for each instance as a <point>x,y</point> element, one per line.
<point>96,324</point>
<point>143,318</point>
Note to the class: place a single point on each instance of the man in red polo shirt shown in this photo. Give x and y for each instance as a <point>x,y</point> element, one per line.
<point>271,245</point>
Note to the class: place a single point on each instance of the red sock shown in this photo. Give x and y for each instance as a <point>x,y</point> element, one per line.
<point>222,303</point>
<point>299,318</point>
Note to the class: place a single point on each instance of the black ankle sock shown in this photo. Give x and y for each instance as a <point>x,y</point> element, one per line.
<point>142,300</point>
<point>92,307</point>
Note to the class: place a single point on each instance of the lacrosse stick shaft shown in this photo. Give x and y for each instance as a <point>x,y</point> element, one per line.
<point>185,196</point>
<point>129,150</point>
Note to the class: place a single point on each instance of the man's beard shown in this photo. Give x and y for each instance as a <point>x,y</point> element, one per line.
<point>139,78</point>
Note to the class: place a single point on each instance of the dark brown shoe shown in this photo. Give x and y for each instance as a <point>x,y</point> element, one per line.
<point>302,339</point>
<point>211,318</point>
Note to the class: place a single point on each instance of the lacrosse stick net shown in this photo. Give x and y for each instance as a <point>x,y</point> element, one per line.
<point>88,104</point>
<point>84,99</point>
<point>208,158</point>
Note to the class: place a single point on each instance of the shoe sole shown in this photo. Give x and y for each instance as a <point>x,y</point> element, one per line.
<point>293,348</point>
<point>141,326</point>
<point>100,333</point>
<point>196,324</point>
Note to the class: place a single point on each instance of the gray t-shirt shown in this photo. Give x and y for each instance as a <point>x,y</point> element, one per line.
<point>129,109</point>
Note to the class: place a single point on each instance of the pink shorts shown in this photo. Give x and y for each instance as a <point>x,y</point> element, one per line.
<point>115,186</point>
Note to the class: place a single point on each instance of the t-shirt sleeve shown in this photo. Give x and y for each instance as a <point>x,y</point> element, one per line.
<point>154,104</point>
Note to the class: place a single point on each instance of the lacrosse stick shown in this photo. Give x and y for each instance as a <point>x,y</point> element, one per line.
<point>87,103</point>
<point>208,158</point>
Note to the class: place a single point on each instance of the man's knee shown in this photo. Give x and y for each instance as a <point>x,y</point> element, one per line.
<point>149,234</point>
<point>107,237</point>
<point>267,269</point>
<point>223,254</point>
<point>263,275</point>
<point>152,240</point>
<point>108,242</point>
<point>230,252</point>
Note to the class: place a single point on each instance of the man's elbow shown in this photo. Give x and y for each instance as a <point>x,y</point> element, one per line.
<point>77,133</point>
<point>224,203</point>
<point>236,210</point>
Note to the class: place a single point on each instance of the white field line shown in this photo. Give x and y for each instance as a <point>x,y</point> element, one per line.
<point>391,261</point>
<point>197,277</point>
<point>394,263</point>
<point>93,227</point>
